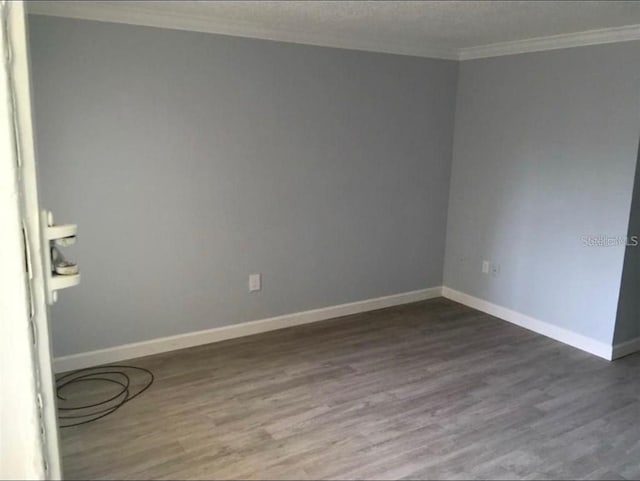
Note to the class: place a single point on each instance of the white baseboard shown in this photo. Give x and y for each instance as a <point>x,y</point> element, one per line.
<point>625,348</point>
<point>190,339</point>
<point>566,336</point>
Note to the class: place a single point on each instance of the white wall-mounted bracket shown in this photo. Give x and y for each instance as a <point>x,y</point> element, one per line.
<point>56,235</point>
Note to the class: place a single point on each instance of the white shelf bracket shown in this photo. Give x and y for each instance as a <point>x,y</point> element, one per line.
<point>56,236</point>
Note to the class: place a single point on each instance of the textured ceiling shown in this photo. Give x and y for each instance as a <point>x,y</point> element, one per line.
<point>396,26</point>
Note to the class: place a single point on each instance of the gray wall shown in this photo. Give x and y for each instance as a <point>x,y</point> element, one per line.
<point>191,160</point>
<point>628,318</point>
<point>544,154</point>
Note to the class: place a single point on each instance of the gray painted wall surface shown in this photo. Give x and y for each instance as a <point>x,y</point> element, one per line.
<point>628,318</point>
<point>544,154</point>
<point>191,160</point>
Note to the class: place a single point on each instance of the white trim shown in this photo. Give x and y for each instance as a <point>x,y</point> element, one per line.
<point>120,12</point>
<point>181,341</point>
<point>28,413</point>
<point>190,339</point>
<point>625,348</point>
<point>553,42</point>
<point>566,336</point>
<point>153,18</point>
<point>29,436</point>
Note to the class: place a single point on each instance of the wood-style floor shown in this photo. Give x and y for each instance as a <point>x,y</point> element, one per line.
<point>430,390</point>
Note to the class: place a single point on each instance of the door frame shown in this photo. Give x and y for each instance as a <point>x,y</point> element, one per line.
<point>29,440</point>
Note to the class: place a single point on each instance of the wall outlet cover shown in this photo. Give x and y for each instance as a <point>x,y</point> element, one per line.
<point>255,282</point>
<point>485,267</point>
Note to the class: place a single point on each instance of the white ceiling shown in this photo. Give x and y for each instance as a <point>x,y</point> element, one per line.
<point>450,29</point>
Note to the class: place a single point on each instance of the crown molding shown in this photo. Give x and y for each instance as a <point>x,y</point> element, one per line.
<point>153,18</point>
<point>553,42</point>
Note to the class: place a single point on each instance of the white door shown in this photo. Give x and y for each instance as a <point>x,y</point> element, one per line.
<point>28,427</point>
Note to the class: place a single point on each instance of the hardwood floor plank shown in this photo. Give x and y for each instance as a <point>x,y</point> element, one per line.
<point>431,390</point>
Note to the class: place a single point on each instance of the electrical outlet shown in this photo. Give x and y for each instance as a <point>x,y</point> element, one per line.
<point>495,270</point>
<point>255,282</point>
<point>485,267</point>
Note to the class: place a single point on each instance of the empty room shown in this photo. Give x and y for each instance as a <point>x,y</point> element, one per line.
<point>320,240</point>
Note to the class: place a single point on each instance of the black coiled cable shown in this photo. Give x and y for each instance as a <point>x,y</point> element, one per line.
<point>86,413</point>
